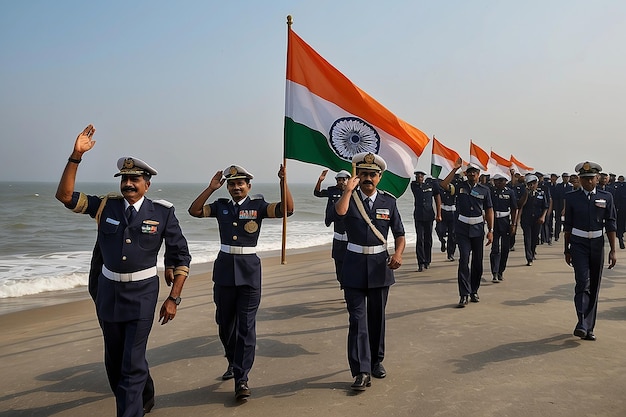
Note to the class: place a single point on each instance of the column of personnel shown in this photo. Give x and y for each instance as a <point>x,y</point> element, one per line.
<point>132,228</point>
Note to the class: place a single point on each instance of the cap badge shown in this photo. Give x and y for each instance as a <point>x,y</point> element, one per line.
<point>233,170</point>
<point>369,158</point>
<point>129,163</point>
<point>586,166</point>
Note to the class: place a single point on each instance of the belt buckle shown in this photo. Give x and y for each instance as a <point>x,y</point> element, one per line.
<point>126,277</point>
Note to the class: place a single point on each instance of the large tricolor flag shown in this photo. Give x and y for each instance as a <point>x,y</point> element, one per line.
<point>478,156</point>
<point>328,119</point>
<point>520,167</point>
<point>443,160</point>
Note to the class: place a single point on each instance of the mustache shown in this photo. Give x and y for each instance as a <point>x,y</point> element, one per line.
<point>129,188</point>
<point>367,182</point>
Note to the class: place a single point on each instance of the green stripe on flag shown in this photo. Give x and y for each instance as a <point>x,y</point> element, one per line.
<point>309,145</point>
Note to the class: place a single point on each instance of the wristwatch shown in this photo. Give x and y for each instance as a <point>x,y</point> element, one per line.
<point>176,300</point>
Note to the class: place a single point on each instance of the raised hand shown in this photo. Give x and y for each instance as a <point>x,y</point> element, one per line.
<point>84,141</point>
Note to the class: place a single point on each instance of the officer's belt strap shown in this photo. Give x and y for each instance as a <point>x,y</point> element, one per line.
<point>340,236</point>
<point>238,250</point>
<point>366,250</point>
<point>500,214</point>
<point>130,276</point>
<point>589,235</point>
<point>470,220</point>
<point>448,208</point>
<point>366,217</point>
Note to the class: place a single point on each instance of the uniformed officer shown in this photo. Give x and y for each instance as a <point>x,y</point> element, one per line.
<point>445,228</point>
<point>368,214</point>
<point>534,207</point>
<point>587,212</point>
<point>340,238</point>
<point>505,213</point>
<point>423,215</point>
<point>518,185</point>
<point>620,206</point>
<point>237,269</point>
<point>558,199</point>
<point>472,199</point>
<point>130,233</point>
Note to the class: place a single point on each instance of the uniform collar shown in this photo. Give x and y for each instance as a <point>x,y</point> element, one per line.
<point>240,201</point>
<point>371,197</point>
<point>137,205</point>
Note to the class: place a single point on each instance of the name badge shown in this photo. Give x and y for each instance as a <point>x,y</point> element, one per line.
<point>149,227</point>
<point>247,214</point>
<point>540,197</point>
<point>112,221</point>
<point>600,203</point>
<point>382,214</point>
<point>476,194</point>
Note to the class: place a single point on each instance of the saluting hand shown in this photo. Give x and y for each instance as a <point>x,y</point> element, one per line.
<point>84,141</point>
<point>323,175</point>
<point>351,184</point>
<point>217,181</point>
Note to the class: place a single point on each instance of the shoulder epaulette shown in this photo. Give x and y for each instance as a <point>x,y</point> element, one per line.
<point>223,200</point>
<point>256,197</point>
<point>387,193</point>
<point>112,196</point>
<point>164,203</point>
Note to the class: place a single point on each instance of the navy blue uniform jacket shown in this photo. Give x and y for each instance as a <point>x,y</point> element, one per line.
<point>370,271</point>
<point>240,230</point>
<point>130,248</point>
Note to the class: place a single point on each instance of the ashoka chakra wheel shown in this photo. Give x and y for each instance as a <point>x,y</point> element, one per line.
<point>351,135</point>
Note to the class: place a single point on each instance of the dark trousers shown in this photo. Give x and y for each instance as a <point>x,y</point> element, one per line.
<point>235,315</point>
<point>587,260</point>
<point>500,248</point>
<point>423,241</point>
<point>469,275</point>
<point>546,229</point>
<point>125,361</point>
<point>621,223</point>
<point>531,239</point>
<point>366,331</point>
<point>446,228</point>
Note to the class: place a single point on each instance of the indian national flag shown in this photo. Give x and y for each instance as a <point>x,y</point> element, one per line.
<point>499,165</point>
<point>443,160</point>
<point>328,120</point>
<point>519,166</point>
<point>478,156</point>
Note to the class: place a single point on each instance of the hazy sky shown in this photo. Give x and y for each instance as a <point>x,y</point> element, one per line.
<point>193,86</point>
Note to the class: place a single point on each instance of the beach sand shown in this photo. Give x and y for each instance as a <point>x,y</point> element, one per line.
<point>512,354</point>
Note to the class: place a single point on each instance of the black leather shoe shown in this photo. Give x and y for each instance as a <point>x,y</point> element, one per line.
<point>590,336</point>
<point>242,391</point>
<point>463,301</point>
<point>361,381</point>
<point>621,244</point>
<point>378,371</point>
<point>582,333</point>
<point>450,258</point>
<point>474,298</point>
<point>426,266</point>
<point>495,278</point>
<point>420,268</point>
<point>443,246</point>
<point>148,405</point>
<point>229,374</point>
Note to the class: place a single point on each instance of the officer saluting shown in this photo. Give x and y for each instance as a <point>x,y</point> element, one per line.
<point>237,269</point>
<point>368,215</point>
<point>588,211</point>
<point>130,233</point>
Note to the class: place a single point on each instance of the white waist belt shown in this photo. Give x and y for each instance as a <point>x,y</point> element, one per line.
<point>339,236</point>
<point>238,250</point>
<point>366,250</point>
<point>130,276</point>
<point>448,208</point>
<point>470,220</point>
<point>502,213</point>
<point>589,235</point>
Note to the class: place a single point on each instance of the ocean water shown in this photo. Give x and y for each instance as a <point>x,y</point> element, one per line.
<point>46,247</point>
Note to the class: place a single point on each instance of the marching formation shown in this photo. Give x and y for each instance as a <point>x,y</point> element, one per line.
<point>471,211</point>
